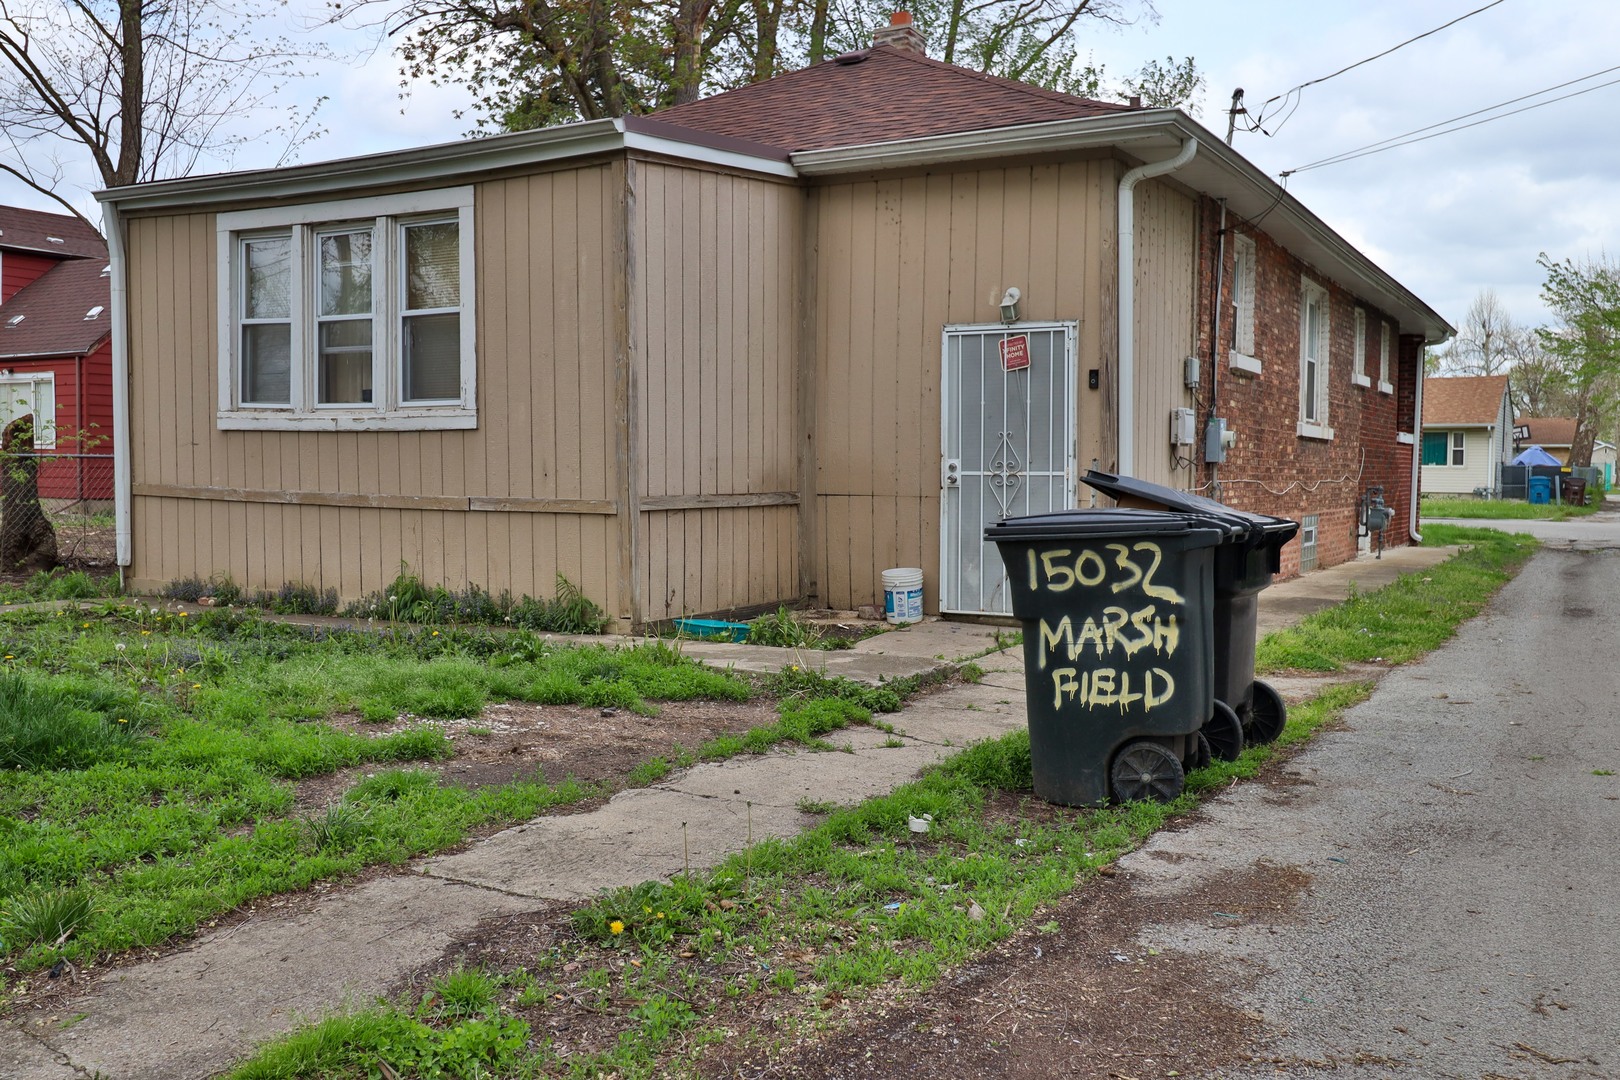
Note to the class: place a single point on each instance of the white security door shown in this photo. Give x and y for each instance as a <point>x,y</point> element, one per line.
<point>1008,443</point>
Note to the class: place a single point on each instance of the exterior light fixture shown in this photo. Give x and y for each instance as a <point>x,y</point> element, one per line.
<point>1009,304</point>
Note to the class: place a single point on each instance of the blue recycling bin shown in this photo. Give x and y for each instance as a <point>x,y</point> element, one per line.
<point>1541,490</point>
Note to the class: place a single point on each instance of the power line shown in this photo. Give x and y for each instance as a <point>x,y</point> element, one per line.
<point>1407,138</point>
<point>1260,116</point>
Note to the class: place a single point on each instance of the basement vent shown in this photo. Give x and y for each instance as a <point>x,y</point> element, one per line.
<point>1307,544</point>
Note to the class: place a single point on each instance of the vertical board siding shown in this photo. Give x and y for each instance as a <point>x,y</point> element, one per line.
<point>545,427</point>
<point>713,295</point>
<point>897,261</point>
<point>1166,280</point>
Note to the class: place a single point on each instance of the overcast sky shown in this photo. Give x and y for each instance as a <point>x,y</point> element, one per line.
<point>1447,216</point>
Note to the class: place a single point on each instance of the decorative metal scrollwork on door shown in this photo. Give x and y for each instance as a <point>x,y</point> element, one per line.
<point>1005,473</point>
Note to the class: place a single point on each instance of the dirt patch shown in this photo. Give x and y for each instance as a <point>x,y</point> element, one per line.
<point>515,740</point>
<point>1074,995</point>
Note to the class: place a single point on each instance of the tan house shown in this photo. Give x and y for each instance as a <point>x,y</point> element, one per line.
<point>754,349</point>
<point>1467,434</point>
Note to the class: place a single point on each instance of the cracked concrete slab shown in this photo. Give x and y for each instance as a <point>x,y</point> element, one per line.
<point>638,836</point>
<point>22,1055</point>
<point>192,1013</point>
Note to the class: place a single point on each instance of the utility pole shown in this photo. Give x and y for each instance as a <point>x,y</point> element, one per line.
<point>1232,114</point>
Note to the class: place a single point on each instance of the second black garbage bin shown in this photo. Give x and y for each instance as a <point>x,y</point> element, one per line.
<point>1118,662</point>
<point>1245,562</point>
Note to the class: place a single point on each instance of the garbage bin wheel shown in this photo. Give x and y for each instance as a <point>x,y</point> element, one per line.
<point>1197,752</point>
<point>1269,715</point>
<point>1147,770</point>
<point>1224,731</point>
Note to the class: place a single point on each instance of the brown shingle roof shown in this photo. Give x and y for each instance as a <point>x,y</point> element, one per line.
<point>53,311</point>
<point>1472,399</point>
<point>876,95</point>
<point>1548,430</point>
<point>51,234</point>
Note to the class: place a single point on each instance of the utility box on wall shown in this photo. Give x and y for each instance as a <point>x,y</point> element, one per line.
<point>1183,427</point>
<point>1215,441</point>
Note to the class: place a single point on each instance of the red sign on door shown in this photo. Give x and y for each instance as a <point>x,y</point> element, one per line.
<point>1015,352</point>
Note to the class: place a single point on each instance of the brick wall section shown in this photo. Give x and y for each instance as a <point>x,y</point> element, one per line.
<point>1272,469</point>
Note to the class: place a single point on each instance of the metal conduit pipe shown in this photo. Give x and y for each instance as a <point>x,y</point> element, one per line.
<point>1127,297</point>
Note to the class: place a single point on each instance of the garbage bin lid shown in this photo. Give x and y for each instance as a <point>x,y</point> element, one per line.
<point>1133,492</point>
<point>1088,523</point>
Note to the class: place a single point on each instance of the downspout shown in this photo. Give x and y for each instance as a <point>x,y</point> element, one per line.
<point>120,384</point>
<point>1127,297</point>
<point>1417,452</point>
<point>1215,352</point>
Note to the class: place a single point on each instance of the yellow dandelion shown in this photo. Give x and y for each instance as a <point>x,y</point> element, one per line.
<point>10,657</point>
<point>146,633</point>
<point>660,915</point>
<point>84,626</point>
<point>183,614</point>
<point>435,633</point>
<point>615,927</point>
<point>196,686</point>
<point>121,720</point>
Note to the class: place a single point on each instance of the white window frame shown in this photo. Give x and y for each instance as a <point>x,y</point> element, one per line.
<point>36,390</point>
<point>1358,361</point>
<point>1384,385</point>
<point>1318,352</point>
<point>1242,356</point>
<point>387,215</point>
<point>1457,450</point>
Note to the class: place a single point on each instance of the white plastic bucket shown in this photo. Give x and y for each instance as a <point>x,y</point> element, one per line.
<point>903,594</point>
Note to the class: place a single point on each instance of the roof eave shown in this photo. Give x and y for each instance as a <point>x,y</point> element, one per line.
<point>1151,135</point>
<point>442,162</point>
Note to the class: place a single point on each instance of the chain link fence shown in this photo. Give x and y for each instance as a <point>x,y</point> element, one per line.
<point>56,510</point>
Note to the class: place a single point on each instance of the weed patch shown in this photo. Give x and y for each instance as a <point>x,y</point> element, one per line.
<point>1407,618</point>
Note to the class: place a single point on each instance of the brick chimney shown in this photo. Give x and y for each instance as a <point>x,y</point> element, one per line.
<point>901,34</point>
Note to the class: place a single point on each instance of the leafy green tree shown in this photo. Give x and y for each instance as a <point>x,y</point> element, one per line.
<point>1584,346</point>
<point>531,63</point>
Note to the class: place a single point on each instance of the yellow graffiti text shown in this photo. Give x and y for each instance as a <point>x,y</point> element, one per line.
<point>1100,688</point>
<point>1146,628</point>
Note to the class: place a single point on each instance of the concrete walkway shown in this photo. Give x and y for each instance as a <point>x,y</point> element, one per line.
<point>192,1013</point>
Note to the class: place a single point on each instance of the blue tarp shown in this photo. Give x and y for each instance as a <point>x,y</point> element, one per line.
<point>1535,456</point>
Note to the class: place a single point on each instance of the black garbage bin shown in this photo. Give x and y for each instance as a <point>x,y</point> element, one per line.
<point>1119,666</point>
<point>1248,557</point>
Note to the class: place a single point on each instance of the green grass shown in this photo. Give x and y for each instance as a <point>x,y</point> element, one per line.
<point>1413,615</point>
<point>148,757</point>
<point>850,906</point>
<point>59,584</point>
<point>1433,506</point>
<point>857,903</point>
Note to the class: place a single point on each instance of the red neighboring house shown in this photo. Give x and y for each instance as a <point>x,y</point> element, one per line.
<point>56,347</point>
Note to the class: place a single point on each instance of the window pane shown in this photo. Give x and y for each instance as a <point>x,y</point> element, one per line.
<point>346,273</point>
<point>432,357</point>
<point>432,266</point>
<point>267,267</point>
<point>345,362</point>
<point>1310,389</point>
<point>267,364</point>
<point>1434,448</point>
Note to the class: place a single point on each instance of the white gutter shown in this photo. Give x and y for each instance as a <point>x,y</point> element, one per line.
<point>120,382</point>
<point>1417,454</point>
<point>1126,304</point>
